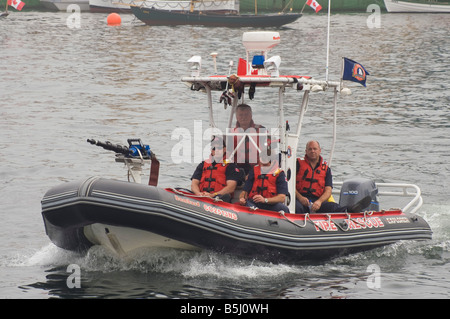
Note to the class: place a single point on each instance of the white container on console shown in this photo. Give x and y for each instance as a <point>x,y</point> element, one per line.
<point>260,40</point>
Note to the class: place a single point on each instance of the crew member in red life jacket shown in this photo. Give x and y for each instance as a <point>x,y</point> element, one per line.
<point>216,177</point>
<point>314,183</point>
<point>266,186</point>
<point>247,154</point>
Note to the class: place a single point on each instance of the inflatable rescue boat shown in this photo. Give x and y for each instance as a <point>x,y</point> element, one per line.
<point>128,215</point>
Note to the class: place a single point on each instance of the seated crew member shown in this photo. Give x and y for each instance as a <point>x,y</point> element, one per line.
<point>216,177</point>
<point>247,154</point>
<point>266,186</point>
<point>314,183</point>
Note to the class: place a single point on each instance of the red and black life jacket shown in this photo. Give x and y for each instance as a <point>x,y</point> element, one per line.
<point>264,184</point>
<point>213,177</point>
<point>311,180</point>
<point>248,152</point>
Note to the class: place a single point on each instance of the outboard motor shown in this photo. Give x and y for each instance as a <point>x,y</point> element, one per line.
<point>353,190</point>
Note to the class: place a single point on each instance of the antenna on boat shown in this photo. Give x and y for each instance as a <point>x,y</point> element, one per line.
<point>328,40</point>
<point>214,55</point>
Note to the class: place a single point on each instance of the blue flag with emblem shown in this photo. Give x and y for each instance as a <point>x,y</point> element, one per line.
<point>353,71</point>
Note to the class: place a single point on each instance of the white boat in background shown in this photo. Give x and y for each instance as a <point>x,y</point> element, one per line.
<point>121,6</point>
<point>424,6</point>
<point>61,5</point>
<point>107,6</point>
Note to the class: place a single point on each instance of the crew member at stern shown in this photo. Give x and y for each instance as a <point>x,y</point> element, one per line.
<point>216,176</point>
<point>315,183</point>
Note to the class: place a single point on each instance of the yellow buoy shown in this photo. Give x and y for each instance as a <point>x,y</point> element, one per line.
<point>114,19</point>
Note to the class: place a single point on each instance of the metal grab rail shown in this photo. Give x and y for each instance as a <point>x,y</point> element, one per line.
<point>404,190</point>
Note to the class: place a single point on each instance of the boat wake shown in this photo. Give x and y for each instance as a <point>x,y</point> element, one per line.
<point>391,256</point>
<point>188,264</point>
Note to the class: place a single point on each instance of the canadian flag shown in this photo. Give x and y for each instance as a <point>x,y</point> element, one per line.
<point>313,4</point>
<point>17,4</point>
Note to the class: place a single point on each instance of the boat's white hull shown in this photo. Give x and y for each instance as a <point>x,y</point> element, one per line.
<point>405,6</point>
<point>61,5</point>
<point>124,240</point>
<point>108,6</point>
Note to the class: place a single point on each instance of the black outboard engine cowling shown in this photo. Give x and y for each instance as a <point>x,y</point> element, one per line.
<point>353,190</point>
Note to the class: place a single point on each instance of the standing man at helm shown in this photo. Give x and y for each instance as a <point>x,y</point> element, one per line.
<point>247,153</point>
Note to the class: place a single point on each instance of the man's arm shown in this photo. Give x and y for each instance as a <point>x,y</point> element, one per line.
<point>279,198</point>
<point>318,203</point>
<point>302,199</point>
<point>195,186</point>
<point>243,198</point>
<point>228,189</point>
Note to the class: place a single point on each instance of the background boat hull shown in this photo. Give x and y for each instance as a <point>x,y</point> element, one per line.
<point>161,17</point>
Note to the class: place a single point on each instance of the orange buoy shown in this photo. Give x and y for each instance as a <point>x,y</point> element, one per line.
<point>114,19</point>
